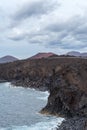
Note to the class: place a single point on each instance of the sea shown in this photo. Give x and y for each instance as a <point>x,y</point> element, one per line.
<point>19,109</point>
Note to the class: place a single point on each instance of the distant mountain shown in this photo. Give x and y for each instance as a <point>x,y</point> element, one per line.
<point>78,54</point>
<point>73,53</point>
<point>7,59</point>
<point>84,54</point>
<point>42,55</point>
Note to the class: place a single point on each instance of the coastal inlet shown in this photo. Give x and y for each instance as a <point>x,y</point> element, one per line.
<point>19,109</point>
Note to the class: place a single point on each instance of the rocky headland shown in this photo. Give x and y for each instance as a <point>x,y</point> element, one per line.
<point>66,80</point>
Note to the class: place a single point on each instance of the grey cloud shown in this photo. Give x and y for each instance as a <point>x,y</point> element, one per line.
<point>82,29</point>
<point>76,28</point>
<point>35,8</point>
<point>71,34</point>
<point>18,37</point>
<point>69,25</point>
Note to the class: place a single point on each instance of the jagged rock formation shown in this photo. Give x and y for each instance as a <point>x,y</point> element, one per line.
<point>74,124</point>
<point>68,96</point>
<point>68,91</point>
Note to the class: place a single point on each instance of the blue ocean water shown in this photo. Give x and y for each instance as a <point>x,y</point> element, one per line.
<point>19,109</point>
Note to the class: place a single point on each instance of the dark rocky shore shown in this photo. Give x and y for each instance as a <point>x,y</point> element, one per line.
<point>68,96</point>
<point>65,79</point>
<point>75,123</point>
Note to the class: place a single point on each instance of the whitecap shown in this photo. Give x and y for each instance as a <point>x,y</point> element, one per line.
<point>49,125</point>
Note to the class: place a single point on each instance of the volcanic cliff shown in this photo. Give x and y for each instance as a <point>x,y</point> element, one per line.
<point>64,77</point>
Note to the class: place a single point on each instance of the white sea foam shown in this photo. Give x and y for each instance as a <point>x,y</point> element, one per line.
<point>7,84</point>
<point>45,96</point>
<point>50,125</point>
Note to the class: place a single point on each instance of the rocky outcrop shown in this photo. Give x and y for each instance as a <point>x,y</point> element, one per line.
<point>68,91</point>
<point>39,84</point>
<point>74,124</point>
<point>68,96</point>
<point>36,71</point>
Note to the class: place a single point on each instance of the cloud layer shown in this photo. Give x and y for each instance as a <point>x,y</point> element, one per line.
<point>52,24</point>
<point>34,9</point>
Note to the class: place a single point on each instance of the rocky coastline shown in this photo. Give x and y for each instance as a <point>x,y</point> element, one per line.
<point>64,78</point>
<point>76,123</point>
<point>68,96</point>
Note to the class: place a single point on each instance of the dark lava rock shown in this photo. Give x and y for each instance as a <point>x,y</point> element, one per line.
<point>68,96</point>
<point>68,92</point>
<point>74,124</point>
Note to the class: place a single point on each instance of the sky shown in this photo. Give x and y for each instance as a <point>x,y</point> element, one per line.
<point>31,26</point>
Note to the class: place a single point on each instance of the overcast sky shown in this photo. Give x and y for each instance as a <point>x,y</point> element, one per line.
<point>31,26</point>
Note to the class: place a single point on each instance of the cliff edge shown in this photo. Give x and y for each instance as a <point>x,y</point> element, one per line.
<point>68,96</point>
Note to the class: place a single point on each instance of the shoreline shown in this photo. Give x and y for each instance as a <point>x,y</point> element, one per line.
<point>50,115</point>
<point>3,81</point>
<point>66,124</point>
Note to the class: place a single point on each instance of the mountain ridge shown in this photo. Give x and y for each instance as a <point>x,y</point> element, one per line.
<point>42,55</point>
<point>76,53</point>
<point>7,59</point>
